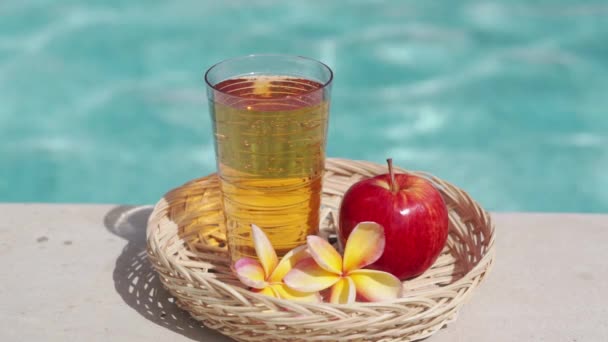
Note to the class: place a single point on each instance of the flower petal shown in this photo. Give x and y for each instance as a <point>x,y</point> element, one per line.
<point>376,286</point>
<point>264,250</point>
<point>250,273</point>
<point>343,292</point>
<point>308,276</point>
<point>287,263</point>
<point>364,246</point>
<point>268,291</point>
<point>286,292</point>
<point>324,254</point>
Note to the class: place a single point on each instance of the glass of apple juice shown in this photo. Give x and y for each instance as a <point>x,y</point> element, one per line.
<point>270,117</point>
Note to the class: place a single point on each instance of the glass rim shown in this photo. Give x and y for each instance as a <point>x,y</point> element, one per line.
<point>233,59</point>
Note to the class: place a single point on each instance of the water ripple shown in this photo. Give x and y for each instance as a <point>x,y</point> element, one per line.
<point>98,97</point>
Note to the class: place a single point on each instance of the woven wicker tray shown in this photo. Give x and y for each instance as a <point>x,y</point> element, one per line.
<point>186,246</point>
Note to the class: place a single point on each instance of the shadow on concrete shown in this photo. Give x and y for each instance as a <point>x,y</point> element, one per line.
<point>137,283</point>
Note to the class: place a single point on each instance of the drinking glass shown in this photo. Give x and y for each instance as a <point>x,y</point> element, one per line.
<point>270,117</point>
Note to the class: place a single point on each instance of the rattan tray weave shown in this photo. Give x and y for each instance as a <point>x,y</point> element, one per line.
<point>186,247</point>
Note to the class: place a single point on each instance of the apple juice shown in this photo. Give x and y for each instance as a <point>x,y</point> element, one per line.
<point>270,134</point>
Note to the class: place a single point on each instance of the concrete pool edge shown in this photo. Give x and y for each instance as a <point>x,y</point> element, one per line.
<point>72,273</point>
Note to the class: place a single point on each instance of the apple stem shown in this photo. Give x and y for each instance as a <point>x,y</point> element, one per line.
<point>391,172</point>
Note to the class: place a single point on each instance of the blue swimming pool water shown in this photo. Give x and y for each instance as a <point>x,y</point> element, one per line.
<point>102,101</point>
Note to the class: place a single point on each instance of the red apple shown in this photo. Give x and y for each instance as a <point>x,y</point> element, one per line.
<point>412,212</point>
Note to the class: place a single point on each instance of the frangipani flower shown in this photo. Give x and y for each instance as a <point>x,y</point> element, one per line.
<point>345,275</point>
<point>266,275</point>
